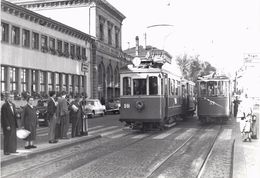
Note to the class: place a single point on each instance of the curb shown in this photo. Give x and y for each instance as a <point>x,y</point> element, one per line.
<point>238,162</point>
<point>15,158</point>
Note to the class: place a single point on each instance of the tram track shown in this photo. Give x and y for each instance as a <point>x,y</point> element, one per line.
<point>176,151</point>
<point>78,158</point>
<point>202,168</point>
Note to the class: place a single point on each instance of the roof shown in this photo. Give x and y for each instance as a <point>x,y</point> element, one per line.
<point>43,21</point>
<point>47,4</point>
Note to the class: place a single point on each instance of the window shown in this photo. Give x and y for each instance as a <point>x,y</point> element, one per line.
<point>64,82</point>
<point>13,80</point>
<point>178,88</point>
<point>26,38</point>
<point>57,79</point>
<point>212,88</point>
<point>35,40</point>
<point>33,81</point>
<point>70,83</point>
<point>5,33</point>
<point>82,78</point>
<point>42,81</point>
<point>15,35</point>
<point>139,86</point>
<point>72,51</point>
<point>203,88</point>
<point>173,87</point>
<point>153,86</point>
<point>84,57</point>
<point>117,40</point>
<point>101,31</point>
<point>76,82</point>
<point>3,78</point>
<point>109,36</point>
<point>44,45</point>
<point>117,32</point>
<point>59,47</point>
<point>126,86</point>
<point>52,45</point>
<point>66,49</point>
<point>24,80</point>
<point>50,81</point>
<point>78,52</point>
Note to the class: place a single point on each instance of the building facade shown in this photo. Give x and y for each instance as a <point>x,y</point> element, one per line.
<point>101,20</point>
<point>39,54</point>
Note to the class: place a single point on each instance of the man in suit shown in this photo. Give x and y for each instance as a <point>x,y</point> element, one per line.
<point>76,116</point>
<point>9,124</point>
<point>51,115</point>
<point>63,114</point>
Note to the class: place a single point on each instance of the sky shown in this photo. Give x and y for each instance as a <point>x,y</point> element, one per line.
<point>219,31</point>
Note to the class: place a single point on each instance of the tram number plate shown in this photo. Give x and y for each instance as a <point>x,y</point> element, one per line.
<point>126,105</point>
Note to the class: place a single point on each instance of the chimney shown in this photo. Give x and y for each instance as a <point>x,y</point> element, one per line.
<point>136,46</point>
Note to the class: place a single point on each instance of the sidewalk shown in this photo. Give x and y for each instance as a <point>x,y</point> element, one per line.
<point>246,160</point>
<point>43,148</point>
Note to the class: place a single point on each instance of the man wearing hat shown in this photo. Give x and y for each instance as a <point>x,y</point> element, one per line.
<point>9,124</point>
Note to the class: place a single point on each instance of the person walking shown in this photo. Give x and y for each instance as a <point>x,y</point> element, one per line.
<point>76,112</point>
<point>51,116</point>
<point>9,124</point>
<point>29,122</point>
<point>63,114</point>
<point>245,113</point>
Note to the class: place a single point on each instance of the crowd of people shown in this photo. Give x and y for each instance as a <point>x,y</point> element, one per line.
<point>60,112</point>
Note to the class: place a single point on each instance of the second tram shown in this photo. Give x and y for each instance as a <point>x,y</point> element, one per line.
<point>214,98</point>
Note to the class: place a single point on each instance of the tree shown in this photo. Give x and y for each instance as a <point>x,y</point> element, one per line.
<point>184,64</point>
<point>191,67</point>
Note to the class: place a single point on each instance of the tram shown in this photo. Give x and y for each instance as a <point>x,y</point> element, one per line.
<point>151,92</point>
<point>214,98</point>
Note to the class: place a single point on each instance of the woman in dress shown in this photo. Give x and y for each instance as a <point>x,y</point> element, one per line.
<point>29,122</point>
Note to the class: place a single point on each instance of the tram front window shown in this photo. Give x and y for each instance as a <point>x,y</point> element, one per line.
<point>153,86</point>
<point>213,88</point>
<point>139,86</point>
<point>203,89</point>
<point>126,86</point>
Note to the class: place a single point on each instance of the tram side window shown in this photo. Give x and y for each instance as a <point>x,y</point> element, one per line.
<point>139,86</point>
<point>153,86</point>
<point>173,86</point>
<point>203,88</point>
<point>126,86</point>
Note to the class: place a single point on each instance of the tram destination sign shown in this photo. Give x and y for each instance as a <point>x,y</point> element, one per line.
<point>159,56</point>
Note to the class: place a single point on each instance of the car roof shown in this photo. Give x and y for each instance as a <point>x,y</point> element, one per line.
<point>92,99</point>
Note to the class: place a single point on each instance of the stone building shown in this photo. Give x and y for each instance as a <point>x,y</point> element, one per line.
<point>39,54</point>
<point>101,20</point>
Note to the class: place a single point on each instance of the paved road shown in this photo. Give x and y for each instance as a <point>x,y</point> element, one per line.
<point>98,121</point>
<point>121,152</point>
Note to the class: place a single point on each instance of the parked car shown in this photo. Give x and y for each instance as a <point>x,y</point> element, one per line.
<point>94,107</point>
<point>113,106</point>
<point>41,108</point>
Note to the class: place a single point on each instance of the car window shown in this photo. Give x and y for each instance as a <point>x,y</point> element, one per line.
<point>90,102</point>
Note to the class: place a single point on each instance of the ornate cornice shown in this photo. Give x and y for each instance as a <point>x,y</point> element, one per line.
<point>53,4</point>
<point>43,21</point>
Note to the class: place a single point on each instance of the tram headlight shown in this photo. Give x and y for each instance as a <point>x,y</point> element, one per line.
<point>139,105</point>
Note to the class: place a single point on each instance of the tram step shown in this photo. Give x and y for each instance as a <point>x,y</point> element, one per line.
<point>170,125</point>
